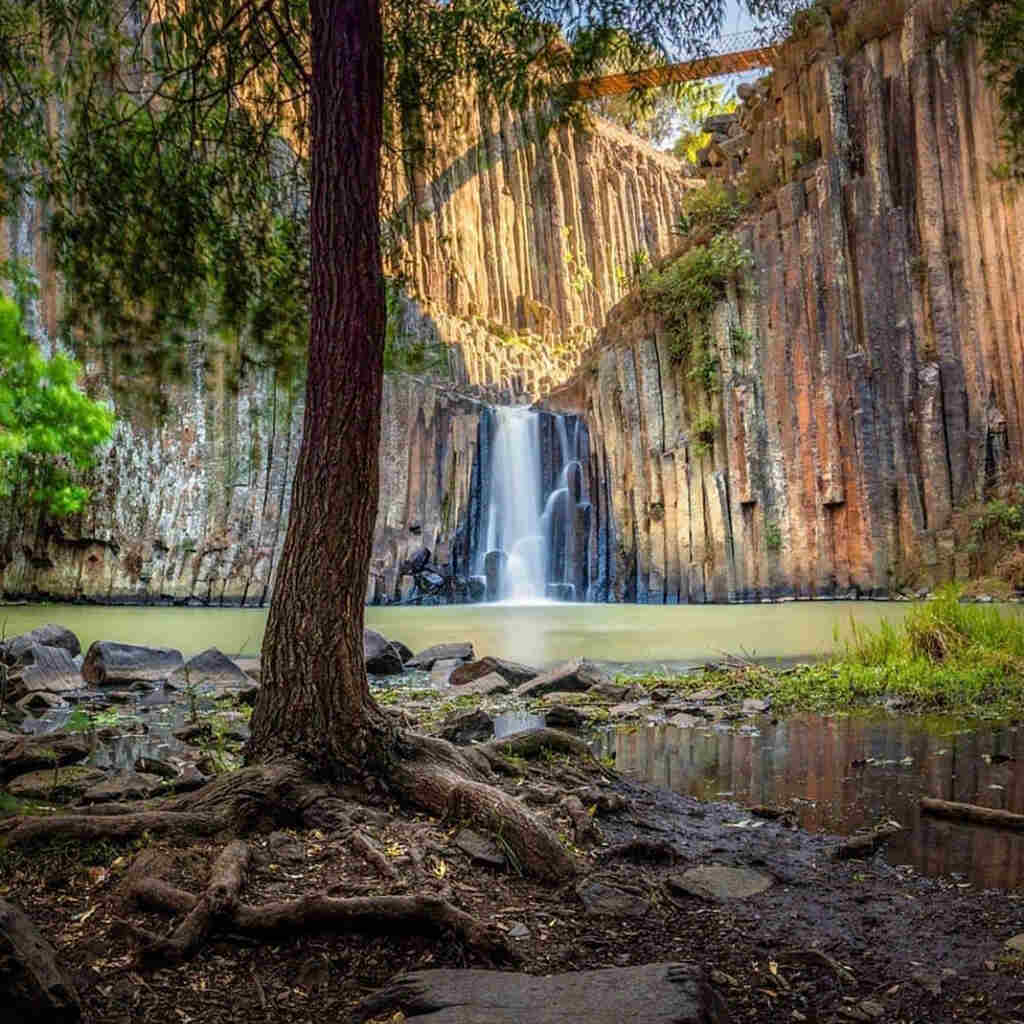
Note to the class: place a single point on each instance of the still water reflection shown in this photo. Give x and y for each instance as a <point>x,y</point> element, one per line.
<point>839,774</point>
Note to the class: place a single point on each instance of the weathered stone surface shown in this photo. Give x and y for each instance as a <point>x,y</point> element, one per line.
<point>479,848</point>
<point>126,786</point>
<point>381,656</point>
<point>33,987</point>
<point>58,786</point>
<point>441,673</point>
<point>210,671</point>
<point>652,994</point>
<point>720,883</point>
<point>508,670</point>
<point>441,652</point>
<point>106,663</point>
<point>486,685</point>
<point>22,754</point>
<point>602,898</point>
<point>38,667</point>
<point>464,727</point>
<point>576,675</point>
<point>685,721</point>
<point>561,717</point>
<point>50,635</point>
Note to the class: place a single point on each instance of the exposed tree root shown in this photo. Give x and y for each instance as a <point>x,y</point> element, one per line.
<point>584,826</point>
<point>426,772</point>
<point>388,914</point>
<point>369,851</point>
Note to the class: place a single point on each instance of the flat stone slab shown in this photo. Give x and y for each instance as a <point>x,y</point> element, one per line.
<point>486,686</point>
<point>56,786</point>
<point>441,652</point>
<point>720,883</point>
<point>479,848</point>
<point>510,671</point>
<point>665,993</point>
<point>126,786</point>
<point>685,721</point>
<point>603,899</point>
<point>573,676</point>
<point>42,668</point>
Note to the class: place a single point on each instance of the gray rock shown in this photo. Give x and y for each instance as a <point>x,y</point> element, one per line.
<point>755,706</point>
<point>464,727</point>
<point>154,766</point>
<point>283,848</point>
<point>663,993</point>
<point>40,701</point>
<point>479,848</point>
<point>440,652</point>
<point>684,721</point>
<point>518,930</point>
<point>33,986</point>
<point>210,672</point>
<point>50,635</point>
<point>602,898</point>
<point>415,563</point>
<point>707,696</point>
<point>486,685</point>
<point>615,692</point>
<point>441,673</point>
<point>59,786</point>
<point>41,668</point>
<point>627,710</point>
<point>719,883</point>
<point>562,717</point>
<point>403,652</point>
<point>510,671</point>
<point>126,786</point>
<point>109,663</point>
<point>22,754</point>
<point>573,676</point>
<point>380,655</point>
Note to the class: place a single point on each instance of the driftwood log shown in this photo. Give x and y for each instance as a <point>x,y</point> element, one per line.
<point>973,813</point>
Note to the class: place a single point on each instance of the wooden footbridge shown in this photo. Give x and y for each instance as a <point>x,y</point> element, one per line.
<point>732,54</point>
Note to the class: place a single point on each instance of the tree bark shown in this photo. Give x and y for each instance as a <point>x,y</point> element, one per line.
<point>315,702</point>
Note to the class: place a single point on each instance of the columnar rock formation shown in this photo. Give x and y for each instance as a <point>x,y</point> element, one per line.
<point>879,383</point>
<point>514,252</point>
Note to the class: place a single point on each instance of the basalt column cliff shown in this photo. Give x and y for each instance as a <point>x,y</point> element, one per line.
<point>864,382</point>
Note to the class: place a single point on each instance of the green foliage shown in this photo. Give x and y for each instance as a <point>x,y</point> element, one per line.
<point>999,24</point>
<point>48,427</point>
<point>772,535</point>
<point>806,149</point>
<point>684,295</point>
<point>704,427</point>
<point>81,720</point>
<point>946,656</point>
<point>406,353</point>
<point>697,102</point>
<point>716,206</point>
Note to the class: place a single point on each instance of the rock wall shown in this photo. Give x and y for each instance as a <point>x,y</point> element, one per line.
<point>879,387</point>
<point>190,502</point>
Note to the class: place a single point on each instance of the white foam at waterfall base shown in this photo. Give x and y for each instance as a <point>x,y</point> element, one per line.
<point>514,519</point>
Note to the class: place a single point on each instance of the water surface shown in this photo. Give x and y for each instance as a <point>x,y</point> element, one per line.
<point>839,774</point>
<point>539,634</point>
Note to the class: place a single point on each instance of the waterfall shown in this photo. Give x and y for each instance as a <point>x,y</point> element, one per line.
<point>533,543</point>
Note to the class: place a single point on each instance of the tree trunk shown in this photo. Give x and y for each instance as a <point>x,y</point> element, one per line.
<point>315,702</point>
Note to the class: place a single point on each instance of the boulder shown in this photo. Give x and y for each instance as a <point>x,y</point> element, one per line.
<point>21,754</point>
<point>605,899</point>
<point>685,721</point>
<point>50,635</point>
<point>415,563</point>
<point>109,663</point>
<point>126,786</point>
<point>665,993</point>
<point>440,674</point>
<point>440,652</point>
<point>403,652</point>
<point>40,668</point>
<point>380,655</point>
<point>33,986</point>
<point>510,671</point>
<point>209,672</point>
<point>485,686</point>
<point>58,786</point>
<point>464,727</point>
<point>562,717</point>
<point>573,676</point>
<point>40,701</point>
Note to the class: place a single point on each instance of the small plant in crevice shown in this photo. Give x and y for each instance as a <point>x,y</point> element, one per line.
<point>740,341</point>
<point>684,295</point>
<point>772,535</point>
<point>703,432</point>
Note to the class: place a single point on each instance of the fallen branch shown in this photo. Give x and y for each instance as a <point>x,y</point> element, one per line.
<point>974,813</point>
<point>865,845</point>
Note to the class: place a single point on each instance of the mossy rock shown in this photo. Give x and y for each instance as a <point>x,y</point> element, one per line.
<point>60,786</point>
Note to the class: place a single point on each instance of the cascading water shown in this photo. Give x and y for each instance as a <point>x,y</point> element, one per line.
<point>533,541</point>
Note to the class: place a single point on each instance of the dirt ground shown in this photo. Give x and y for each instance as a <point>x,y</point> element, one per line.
<point>830,940</point>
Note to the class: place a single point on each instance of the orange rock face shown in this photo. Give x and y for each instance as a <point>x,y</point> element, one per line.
<point>883,383</point>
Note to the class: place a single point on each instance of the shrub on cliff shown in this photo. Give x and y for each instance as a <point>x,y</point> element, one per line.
<point>48,427</point>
